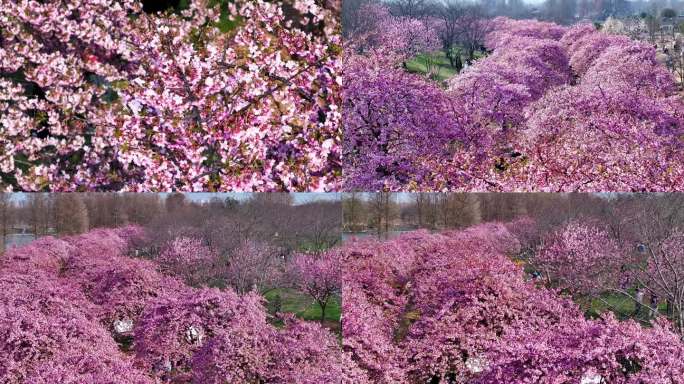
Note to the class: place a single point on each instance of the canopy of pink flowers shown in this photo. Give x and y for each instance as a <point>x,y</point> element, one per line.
<point>79,310</point>
<point>550,108</point>
<point>97,95</point>
<point>453,307</point>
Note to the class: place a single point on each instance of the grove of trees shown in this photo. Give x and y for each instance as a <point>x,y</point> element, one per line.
<point>550,108</point>
<point>461,307</point>
<point>313,224</point>
<point>169,303</point>
<point>513,288</point>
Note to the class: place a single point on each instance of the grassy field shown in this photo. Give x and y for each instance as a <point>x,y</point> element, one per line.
<point>303,306</point>
<point>623,307</point>
<point>442,68</point>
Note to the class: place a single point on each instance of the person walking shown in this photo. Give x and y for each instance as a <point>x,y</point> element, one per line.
<point>639,296</point>
<point>654,305</point>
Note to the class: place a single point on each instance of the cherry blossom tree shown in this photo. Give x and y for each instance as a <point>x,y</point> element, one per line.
<point>386,150</point>
<point>307,352</point>
<point>43,320</point>
<point>46,254</point>
<point>627,142</point>
<point>189,259</point>
<point>88,366</point>
<point>122,291</point>
<point>173,329</point>
<point>319,275</point>
<point>237,355</point>
<point>390,39</point>
<point>70,306</point>
<point>526,230</point>
<point>301,352</point>
<point>135,237</point>
<point>550,108</point>
<point>657,272</point>
<point>579,350</point>
<point>582,258</point>
<point>253,265</point>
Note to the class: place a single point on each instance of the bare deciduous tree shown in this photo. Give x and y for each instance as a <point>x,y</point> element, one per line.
<point>6,217</point>
<point>353,211</point>
<point>70,214</point>
<point>38,207</point>
<point>474,26</point>
<point>450,30</point>
<point>412,8</point>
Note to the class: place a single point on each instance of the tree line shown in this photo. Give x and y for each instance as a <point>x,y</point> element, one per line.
<point>274,217</point>
<point>386,211</point>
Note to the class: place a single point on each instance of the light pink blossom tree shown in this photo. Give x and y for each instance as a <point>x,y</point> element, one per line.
<point>189,259</point>
<point>318,275</point>
<point>582,258</point>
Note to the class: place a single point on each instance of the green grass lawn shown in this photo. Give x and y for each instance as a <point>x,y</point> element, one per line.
<point>623,307</point>
<point>303,306</point>
<point>443,68</point>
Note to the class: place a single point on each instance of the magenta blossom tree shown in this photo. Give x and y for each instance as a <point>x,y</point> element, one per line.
<point>44,321</point>
<point>253,266</point>
<point>301,352</point>
<point>590,351</point>
<point>388,150</point>
<point>389,39</point>
<point>550,108</point>
<point>173,329</point>
<point>123,290</point>
<point>69,307</point>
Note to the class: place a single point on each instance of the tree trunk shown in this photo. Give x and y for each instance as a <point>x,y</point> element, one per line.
<point>323,305</point>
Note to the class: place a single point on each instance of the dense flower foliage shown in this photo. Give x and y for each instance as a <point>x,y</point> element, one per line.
<point>453,308</point>
<point>188,258</point>
<point>394,131</point>
<point>97,95</point>
<point>80,310</point>
<point>389,38</point>
<point>579,350</point>
<point>582,258</point>
<point>551,108</point>
<point>171,330</point>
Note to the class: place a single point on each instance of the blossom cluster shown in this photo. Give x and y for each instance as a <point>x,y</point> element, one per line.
<point>550,108</point>
<point>580,243</point>
<point>78,309</point>
<point>453,307</point>
<point>98,95</point>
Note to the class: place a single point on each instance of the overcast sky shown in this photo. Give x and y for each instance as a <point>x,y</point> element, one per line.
<point>299,198</point>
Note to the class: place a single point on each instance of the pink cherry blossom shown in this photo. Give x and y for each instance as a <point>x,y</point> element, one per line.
<point>551,108</point>
<point>97,95</point>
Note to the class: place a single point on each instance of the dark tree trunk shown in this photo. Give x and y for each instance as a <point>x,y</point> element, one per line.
<point>323,305</point>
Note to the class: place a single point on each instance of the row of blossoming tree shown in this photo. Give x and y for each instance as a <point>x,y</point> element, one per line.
<point>550,108</point>
<point>455,308</point>
<point>99,95</point>
<point>79,309</point>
